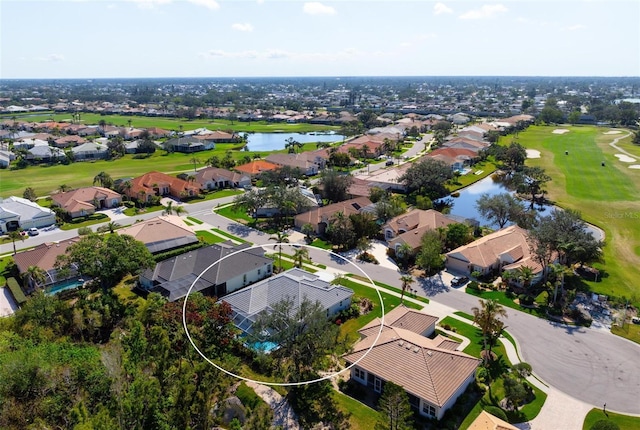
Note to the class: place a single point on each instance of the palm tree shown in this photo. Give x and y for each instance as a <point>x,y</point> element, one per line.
<point>486,316</point>
<point>34,276</point>
<point>179,210</point>
<point>406,280</point>
<point>103,179</point>
<point>195,161</point>
<point>525,275</point>
<point>13,235</point>
<point>126,188</point>
<point>300,255</point>
<point>558,271</point>
<point>168,208</point>
<point>64,188</point>
<point>280,237</point>
<point>404,252</point>
<point>112,226</point>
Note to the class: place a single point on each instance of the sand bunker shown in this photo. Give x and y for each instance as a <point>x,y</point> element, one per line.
<point>625,158</point>
<point>533,153</point>
<point>560,131</point>
<point>635,166</point>
<point>612,132</point>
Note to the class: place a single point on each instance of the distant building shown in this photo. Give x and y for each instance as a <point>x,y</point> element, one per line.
<point>85,201</point>
<point>16,212</point>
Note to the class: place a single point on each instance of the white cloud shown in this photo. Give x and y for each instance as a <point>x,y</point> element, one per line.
<point>440,8</point>
<point>486,11</point>
<point>151,4</point>
<point>575,27</point>
<point>242,26</point>
<point>52,58</point>
<point>317,8</point>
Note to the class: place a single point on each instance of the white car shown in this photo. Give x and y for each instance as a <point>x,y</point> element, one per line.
<point>33,231</point>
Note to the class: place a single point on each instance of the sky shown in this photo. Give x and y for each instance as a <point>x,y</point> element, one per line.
<point>263,38</point>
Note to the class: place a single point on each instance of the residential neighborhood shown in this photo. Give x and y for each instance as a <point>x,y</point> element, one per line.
<point>439,199</point>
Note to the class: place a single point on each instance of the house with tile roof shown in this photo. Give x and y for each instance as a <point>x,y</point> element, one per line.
<point>17,212</point>
<point>215,270</point>
<point>44,256</point>
<point>465,143</point>
<point>85,201</point>
<point>432,372</point>
<point>506,249</point>
<point>213,178</point>
<point>296,161</point>
<point>295,285</point>
<point>67,141</point>
<point>90,151</point>
<point>456,158</point>
<point>162,233</point>
<point>187,144</point>
<point>410,227</point>
<point>320,217</point>
<point>486,421</point>
<point>255,167</point>
<point>160,184</point>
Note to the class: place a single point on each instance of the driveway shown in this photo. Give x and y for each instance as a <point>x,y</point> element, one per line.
<point>7,305</point>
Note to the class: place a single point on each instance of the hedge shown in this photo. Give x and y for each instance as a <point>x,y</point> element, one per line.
<point>16,291</point>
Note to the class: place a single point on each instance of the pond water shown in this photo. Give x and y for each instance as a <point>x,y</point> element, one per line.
<point>275,141</point>
<point>465,204</point>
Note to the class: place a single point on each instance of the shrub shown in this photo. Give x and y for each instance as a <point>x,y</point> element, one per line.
<point>473,285</point>
<point>83,231</point>
<point>496,412</point>
<point>16,291</point>
<point>605,425</point>
<point>525,299</point>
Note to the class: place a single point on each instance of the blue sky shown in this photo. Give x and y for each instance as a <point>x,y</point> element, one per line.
<point>218,38</point>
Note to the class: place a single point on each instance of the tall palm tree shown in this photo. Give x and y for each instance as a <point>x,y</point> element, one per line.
<point>103,179</point>
<point>406,280</point>
<point>486,316</point>
<point>525,275</point>
<point>126,188</point>
<point>280,238</point>
<point>558,271</point>
<point>13,236</point>
<point>195,161</point>
<point>300,255</point>
<point>168,208</point>
<point>179,210</point>
<point>35,276</point>
<point>404,253</point>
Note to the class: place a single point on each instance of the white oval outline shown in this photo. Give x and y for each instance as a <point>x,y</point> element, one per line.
<point>280,384</point>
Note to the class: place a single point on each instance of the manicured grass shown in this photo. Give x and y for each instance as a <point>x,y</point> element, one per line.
<point>362,416</point>
<point>85,222</point>
<point>230,236</point>
<point>630,331</point>
<point>221,193</point>
<point>175,123</point>
<point>4,269</point>
<point>464,315</point>
<point>608,197</point>
<point>235,214</point>
<point>322,244</point>
<point>208,237</point>
<point>623,421</point>
<point>134,211</point>
<point>501,297</point>
<point>195,220</point>
<point>390,288</point>
<point>487,167</point>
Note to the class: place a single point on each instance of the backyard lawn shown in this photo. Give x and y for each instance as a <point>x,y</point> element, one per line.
<point>623,421</point>
<point>607,196</point>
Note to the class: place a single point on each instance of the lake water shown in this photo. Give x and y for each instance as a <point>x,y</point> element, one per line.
<point>465,205</point>
<point>275,141</point>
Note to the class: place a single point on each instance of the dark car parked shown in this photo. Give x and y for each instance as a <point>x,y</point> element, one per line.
<point>459,280</point>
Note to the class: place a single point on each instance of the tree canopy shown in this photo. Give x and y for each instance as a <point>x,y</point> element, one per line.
<point>428,178</point>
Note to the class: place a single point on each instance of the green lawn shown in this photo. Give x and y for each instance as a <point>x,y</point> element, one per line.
<point>322,244</point>
<point>173,124</point>
<point>4,269</point>
<point>236,214</point>
<point>362,416</point>
<point>230,236</point>
<point>608,197</point>
<point>390,288</point>
<point>208,237</point>
<point>629,331</point>
<point>85,222</point>
<point>195,220</point>
<point>623,421</point>
<point>487,167</point>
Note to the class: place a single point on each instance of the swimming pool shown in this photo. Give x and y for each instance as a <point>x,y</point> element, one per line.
<point>69,284</point>
<point>265,347</point>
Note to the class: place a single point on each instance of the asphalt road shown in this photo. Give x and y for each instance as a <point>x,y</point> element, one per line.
<point>588,364</point>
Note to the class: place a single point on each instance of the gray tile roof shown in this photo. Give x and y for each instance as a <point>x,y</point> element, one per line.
<point>294,284</point>
<point>174,276</point>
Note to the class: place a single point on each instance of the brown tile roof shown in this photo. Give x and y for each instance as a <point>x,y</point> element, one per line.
<point>147,181</point>
<point>418,218</point>
<point>415,363</point>
<point>213,173</point>
<point>82,198</point>
<point>70,140</point>
<point>166,228</point>
<point>401,317</point>
<point>487,251</point>
<point>43,256</point>
<point>359,188</point>
<point>322,214</point>
<point>256,166</point>
<point>486,421</point>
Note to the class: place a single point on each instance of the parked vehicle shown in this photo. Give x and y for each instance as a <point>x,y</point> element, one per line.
<point>459,280</point>
<point>33,231</point>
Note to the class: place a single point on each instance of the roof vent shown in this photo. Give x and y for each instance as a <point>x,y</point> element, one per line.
<point>429,353</point>
<point>408,345</point>
<point>416,349</point>
<point>401,343</point>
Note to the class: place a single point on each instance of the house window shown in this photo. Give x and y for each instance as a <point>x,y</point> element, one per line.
<point>244,278</point>
<point>428,410</point>
<point>377,385</point>
<point>259,272</point>
<point>360,374</point>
